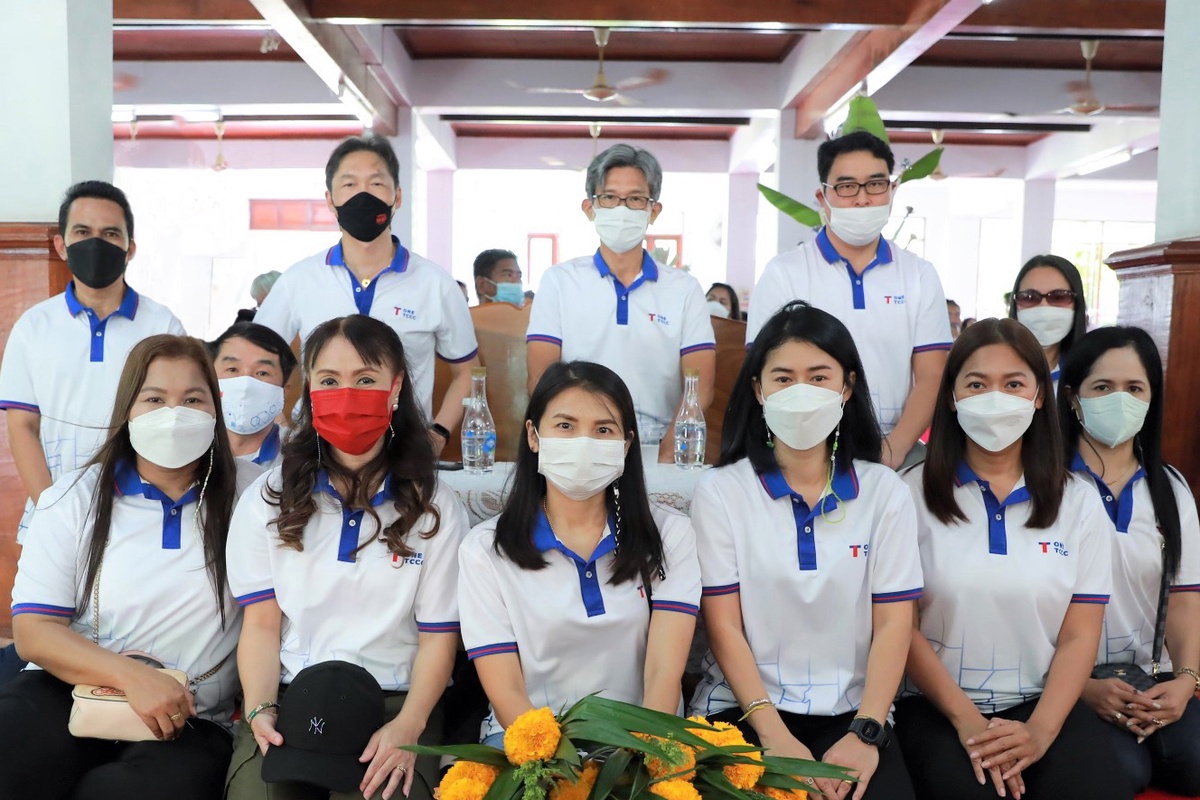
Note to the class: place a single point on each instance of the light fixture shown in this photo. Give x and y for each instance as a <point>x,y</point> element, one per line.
<point>356,103</point>
<point>197,114</point>
<point>1103,162</point>
<point>123,114</point>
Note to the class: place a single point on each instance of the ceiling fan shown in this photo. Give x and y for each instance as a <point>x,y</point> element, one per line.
<point>1086,103</point>
<point>557,163</point>
<point>602,91</point>
<point>938,175</point>
<point>220,164</point>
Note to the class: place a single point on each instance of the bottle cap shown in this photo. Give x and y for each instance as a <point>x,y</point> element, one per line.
<point>478,372</point>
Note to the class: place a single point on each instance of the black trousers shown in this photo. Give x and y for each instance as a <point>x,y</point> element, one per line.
<point>818,734</point>
<point>1079,765</point>
<point>41,760</point>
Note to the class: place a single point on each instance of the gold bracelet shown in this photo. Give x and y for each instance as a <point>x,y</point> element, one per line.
<point>755,705</point>
<point>1191,673</point>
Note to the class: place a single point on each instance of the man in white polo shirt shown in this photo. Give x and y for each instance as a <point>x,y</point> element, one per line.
<point>370,272</point>
<point>64,356</point>
<point>643,320</point>
<point>891,300</point>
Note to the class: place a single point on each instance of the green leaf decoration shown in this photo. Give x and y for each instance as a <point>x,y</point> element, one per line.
<point>567,752</point>
<point>612,771</point>
<point>479,753</point>
<point>806,216</point>
<point>923,167</point>
<point>864,116</point>
<point>506,787</point>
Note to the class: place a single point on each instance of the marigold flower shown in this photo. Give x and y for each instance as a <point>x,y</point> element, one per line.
<point>680,764</point>
<point>533,736</point>
<point>782,794</point>
<point>675,790</point>
<point>463,789</point>
<point>581,788</point>
<point>470,770</point>
<point>743,776</point>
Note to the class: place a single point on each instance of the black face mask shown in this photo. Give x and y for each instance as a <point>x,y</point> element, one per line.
<point>96,263</point>
<point>364,216</point>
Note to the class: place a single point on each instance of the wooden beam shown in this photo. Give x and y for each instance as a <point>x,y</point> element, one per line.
<point>184,11</point>
<point>875,57</point>
<point>334,55</point>
<point>1070,17</point>
<point>797,13</point>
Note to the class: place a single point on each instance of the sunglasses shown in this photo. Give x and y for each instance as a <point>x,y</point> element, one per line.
<point>1062,298</point>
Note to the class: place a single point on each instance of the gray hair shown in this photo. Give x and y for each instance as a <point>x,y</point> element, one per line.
<point>260,287</point>
<point>623,155</point>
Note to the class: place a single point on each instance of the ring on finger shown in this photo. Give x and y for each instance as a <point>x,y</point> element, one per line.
<point>175,717</point>
<point>1118,716</point>
<point>1157,721</point>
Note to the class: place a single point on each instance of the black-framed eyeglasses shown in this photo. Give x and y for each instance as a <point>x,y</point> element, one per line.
<point>1060,298</point>
<point>852,188</point>
<point>635,202</point>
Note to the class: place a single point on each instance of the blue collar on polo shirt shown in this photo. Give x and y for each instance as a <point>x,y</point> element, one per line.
<point>845,487</point>
<point>589,577</point>
<point>1119,508</point>
<point>127,309</point>
<point>997,533</point>
<point>269,448</point>
<point>351,519</point>
<point>130,483</point>
<point>883,255</point>
<point>364,294</point>
<point>649,273</point>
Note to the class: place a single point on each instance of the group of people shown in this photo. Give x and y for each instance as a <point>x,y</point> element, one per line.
<point>974,617</point>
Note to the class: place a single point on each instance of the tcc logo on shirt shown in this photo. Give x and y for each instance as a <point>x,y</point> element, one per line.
<point>855,549</point>
<point>407,313</point>
<point>416,559</point>
<point>1058,547</point>
<point>893,299</point>
<point>660,319</point>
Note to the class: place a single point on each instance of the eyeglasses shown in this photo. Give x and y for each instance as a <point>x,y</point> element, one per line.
<point>635,202</point>
<point>851,188</point>
<point>1061,298</point>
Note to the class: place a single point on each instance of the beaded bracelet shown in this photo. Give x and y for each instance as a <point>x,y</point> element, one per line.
<point>259,709</point>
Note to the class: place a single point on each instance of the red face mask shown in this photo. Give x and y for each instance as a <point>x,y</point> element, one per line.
<point>352,420</point>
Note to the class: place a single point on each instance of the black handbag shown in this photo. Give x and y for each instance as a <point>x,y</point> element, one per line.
<point>1132,674</point>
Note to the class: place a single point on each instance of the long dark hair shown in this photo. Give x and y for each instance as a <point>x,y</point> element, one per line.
<point>640,554</point>
<point>1041,444</point>
<point>218,489</point>
<point>745,430</point>
<point>1147,443</point>
<point>1069,272</point>
<point>406,457</point>
<point>735,305</point>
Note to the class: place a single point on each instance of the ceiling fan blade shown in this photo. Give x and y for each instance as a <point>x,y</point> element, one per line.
<point>1144,109</point>
<point>651,78</point>
<point>552,90</point>
<point>624,100</point>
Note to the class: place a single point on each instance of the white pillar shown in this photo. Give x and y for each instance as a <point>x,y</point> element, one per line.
<point>439,221</point>
<point>796,168</point>
<point>1178,210</point>
<point>404,145</point>
<point>56,59</point>
<point>741,231</point>
<point>1037,218</point>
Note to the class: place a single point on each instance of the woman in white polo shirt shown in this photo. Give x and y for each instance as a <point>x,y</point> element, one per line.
<point>580,585</point>
<point>1016,555</point>
<point>126,557</point>
<point>348,552</point>
<point>1110,401</point>
<point>808,551</point>
<point>253,364</point>
<point>1047,298</point>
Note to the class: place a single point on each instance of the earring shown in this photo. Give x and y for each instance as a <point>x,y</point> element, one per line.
<point>391,429</point>
<point>770,441</point>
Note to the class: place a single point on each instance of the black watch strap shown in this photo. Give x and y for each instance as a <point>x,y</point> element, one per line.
<point>440,430</point>
<point>870,731</point>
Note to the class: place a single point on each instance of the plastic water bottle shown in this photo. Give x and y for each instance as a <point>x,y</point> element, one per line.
<point>478,428</point>
<point>691,432</point>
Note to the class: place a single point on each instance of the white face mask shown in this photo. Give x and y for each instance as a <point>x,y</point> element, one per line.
<point>1049,324</point>
<point>858,225</point>
<point>994,420</point>
<point>581,467</point>
<point>717,310</point>
<point>621,229</point>
<point>1113,418</point>
<point>172,437</point>
<point>249,405</point>
<point>803,415</point>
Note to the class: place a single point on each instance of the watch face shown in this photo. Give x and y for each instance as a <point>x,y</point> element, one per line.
<point>871,729</point>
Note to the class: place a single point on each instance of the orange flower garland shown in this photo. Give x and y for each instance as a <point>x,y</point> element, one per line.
<point>581,788</point>
<point>723,734</point>
<point>675,790</point>
<point>533,736</point>
<point>467,780</point>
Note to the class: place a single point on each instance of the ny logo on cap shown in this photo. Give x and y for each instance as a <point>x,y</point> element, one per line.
<point>316,725</point>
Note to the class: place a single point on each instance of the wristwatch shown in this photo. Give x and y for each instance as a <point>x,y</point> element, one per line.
<point>870,731</point>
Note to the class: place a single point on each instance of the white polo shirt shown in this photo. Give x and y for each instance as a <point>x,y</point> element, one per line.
<point>574,632</point>
<point>63,362</point>
<point>419,299</point>
<point>807,578</point>
<point>366,607</point>
<point>996,591</point>
<point>640,332</point>
<point>269,455</point>
<point>894,310</point>
<point>1137,564</point>
<point>155,593</point>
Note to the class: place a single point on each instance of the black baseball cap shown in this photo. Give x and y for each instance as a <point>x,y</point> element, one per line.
<point>326,717</point>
